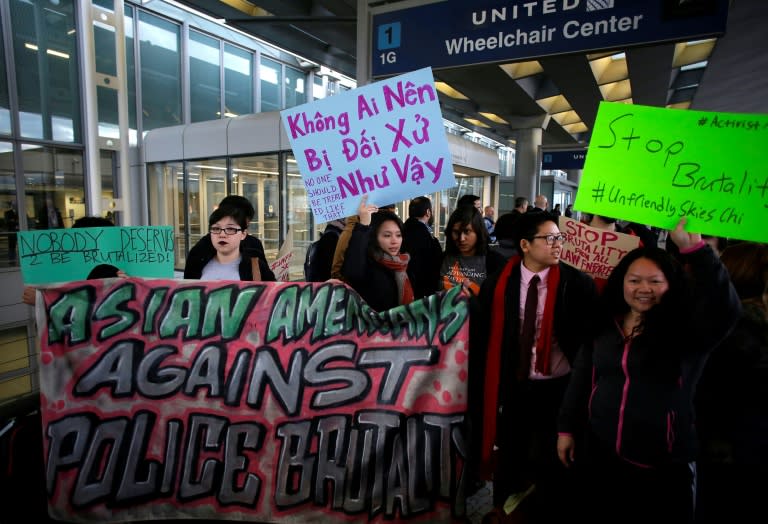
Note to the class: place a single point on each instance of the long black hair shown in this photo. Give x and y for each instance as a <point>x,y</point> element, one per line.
<point>377,220</point>
<point>660,321</point>
<point>466,216</point>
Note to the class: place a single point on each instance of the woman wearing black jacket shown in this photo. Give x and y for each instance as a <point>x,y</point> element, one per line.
<point>631,388</point>
<point>228,252</point>
<point>373,264</point>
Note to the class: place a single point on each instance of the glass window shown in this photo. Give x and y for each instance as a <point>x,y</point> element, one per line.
<point>10,217</point>
<point>256,178</point>
<point>207,186</point>
<point>300,220</point>
<point>165,188</point>
<point>5,101</point>
<point>204,77</point>
<point>465,185</point>
<point>160,72</point>
<point>15,363</point>
<point>318,89</point>
<point>130,65</point>
<point>238,81</point>
<point>45,55</point>
<point>270,80</point>
<point>53,181</point>
<point>295,87</point>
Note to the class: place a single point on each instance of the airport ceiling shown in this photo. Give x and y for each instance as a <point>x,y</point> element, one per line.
<point>559,93</point>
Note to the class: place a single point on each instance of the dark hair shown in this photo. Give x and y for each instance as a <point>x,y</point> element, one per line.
<point>519,201</point>
<point>506,225</point>
<point>419,207</point>
<point>239,202</point>
<point>93,222</point>
<point>377,220</point>
<point>238,214</point>
<point>528,224</point>
<point>467,200</point>
<point>659,323</point>
<point>466,216</point>
<point>747,264</point>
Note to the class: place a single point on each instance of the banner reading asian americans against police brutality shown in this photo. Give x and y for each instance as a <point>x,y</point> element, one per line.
<point>284,402</point>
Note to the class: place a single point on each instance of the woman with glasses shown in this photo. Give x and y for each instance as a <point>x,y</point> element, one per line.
<point>251,247</point>
<point>467,261</point>
<point>227,260</point>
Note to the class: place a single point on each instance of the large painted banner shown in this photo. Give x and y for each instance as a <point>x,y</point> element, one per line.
<point>269,402</point>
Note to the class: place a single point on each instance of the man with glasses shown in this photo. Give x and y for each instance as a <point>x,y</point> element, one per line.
<point>250,246</point>
<point>530,321</point>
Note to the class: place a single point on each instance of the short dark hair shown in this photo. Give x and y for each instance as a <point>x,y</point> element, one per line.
<point>506,225</point>
<point>528,224</point>
<point>747,264</point>
<point>237,213</point>
<point>419,207</point>
<point>240,202</point>
<point>467,200</point>
<point>93,222</point>
<point>519,201</point>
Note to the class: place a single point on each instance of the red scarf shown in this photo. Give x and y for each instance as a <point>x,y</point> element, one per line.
<point>495,343</point>
<point>398,264</point>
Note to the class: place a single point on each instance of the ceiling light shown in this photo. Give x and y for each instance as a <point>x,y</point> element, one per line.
<point>522,69</point>
<point>616,90</point>
<point>691,52</point>
<point>567,117</point>
<point>494,118</point>
<point>449,91</point>
<point>579,127</point>
<point>554,104</point>
<point>477,122</point>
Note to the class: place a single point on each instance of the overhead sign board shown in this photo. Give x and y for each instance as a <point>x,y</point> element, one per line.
<point>567,159</point>
<point>454,33</point>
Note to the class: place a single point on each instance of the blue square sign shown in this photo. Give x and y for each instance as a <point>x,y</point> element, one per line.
<point>389,36</point>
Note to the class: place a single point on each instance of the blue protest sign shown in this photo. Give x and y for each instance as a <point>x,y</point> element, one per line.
<point>384,139</point>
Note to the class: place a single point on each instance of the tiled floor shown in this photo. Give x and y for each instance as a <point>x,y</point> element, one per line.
<point>480,503</point>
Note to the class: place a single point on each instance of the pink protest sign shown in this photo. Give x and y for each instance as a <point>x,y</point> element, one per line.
<point>270,402</point>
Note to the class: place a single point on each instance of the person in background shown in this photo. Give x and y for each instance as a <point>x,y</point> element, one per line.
<point>540,203</point>
<point>227,229</point>
<point>50,216</point>
<point>467,260</point>
<point>422,246</point>
<point>341,245</point>
<point>521,205</point>
<point>374,265</point>
<point>488,218</point>
<point>631,389</point>
<point>321,261</point>
<point>204,250</point>
<point>556,210</point>
<point>732,401</point>
<point>505,235</point>
<point>470,200</point>
<point>569,210</point>
<point>520,362</point>
<point>12,226</point>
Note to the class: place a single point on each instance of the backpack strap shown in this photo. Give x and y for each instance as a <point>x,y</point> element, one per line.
<point>255,269</point>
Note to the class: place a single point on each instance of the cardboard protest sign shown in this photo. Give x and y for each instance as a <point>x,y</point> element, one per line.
<point>653,165</point>
<point>63,255</point>
<point>385,138</point>
<point>592,250</point>
<point>269,402</point>
<point>282,266</point>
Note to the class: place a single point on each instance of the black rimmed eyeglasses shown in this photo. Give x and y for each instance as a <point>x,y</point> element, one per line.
<point>552,238</point>
<point>227,230</point>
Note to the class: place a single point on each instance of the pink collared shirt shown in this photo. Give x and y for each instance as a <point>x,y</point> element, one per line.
<point>559,364</point>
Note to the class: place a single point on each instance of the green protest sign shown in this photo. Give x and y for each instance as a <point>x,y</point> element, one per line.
<point>62,255</point>
<point>653,165</point>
